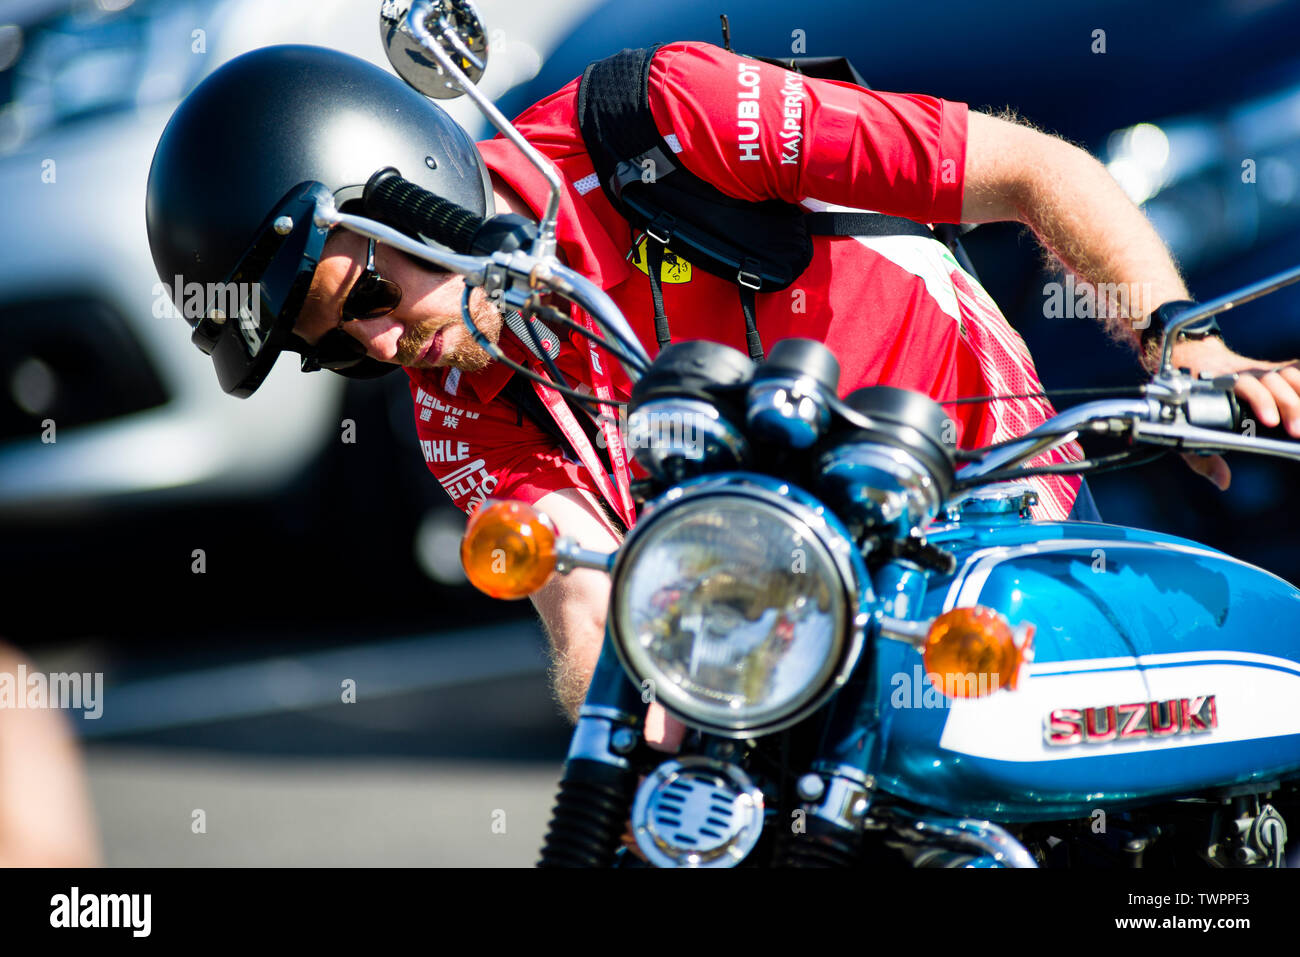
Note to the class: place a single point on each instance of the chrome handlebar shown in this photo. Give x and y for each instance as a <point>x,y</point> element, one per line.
<point>1158,418</point>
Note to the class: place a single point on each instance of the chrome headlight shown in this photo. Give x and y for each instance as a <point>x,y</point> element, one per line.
<point>739,605</point>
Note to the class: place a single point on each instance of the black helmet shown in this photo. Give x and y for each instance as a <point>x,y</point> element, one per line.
<point>238,170</point>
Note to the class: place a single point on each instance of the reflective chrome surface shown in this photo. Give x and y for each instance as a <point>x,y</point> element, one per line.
<point>593,738</point>
<point>877,486</point>
<point>815,563</point>
<point>788,410</point>
<point>678,438</point>
<point>697,812</point>
<point>845,795</point>
<point>457,27</point>
<point>984,837</point>
<point>1002,498</point>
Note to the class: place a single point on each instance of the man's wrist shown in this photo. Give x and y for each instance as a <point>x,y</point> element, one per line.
<point>1167,314</point>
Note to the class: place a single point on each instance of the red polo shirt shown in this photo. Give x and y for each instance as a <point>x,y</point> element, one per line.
<point>895,310</point>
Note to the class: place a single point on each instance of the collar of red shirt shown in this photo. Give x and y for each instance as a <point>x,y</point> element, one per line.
<point>488,382</point>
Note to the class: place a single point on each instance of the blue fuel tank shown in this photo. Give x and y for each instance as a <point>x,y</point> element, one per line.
<point>1162,668</point>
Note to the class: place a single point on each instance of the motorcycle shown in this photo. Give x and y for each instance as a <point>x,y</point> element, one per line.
<point>881,658</point>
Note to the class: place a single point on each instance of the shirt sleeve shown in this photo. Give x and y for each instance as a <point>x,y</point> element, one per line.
<point>757,131</point>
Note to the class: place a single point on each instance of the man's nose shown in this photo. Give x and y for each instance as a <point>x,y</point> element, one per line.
<point>379,336</point>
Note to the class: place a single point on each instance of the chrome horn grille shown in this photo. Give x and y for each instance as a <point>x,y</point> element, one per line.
<point>697,812</point>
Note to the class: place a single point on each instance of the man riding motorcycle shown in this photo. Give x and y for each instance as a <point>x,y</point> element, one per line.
<point>895,310</point>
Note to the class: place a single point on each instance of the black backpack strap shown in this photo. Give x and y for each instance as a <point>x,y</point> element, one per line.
<point>521,394</point>
<point>748,306</point>
<point>821,67</point>
<point>762,245</point>
<point>878,224</point>
<point>654,262</point>
<point>865,224</point>
<point>617,126</point>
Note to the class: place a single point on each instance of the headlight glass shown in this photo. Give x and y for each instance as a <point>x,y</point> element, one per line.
<point>734,608</point>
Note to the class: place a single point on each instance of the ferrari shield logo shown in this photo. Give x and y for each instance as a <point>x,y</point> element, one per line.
<point>675,269</point>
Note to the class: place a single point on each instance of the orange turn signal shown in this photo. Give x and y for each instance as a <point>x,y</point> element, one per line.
<point>973,652</point>
<point>508,550</point>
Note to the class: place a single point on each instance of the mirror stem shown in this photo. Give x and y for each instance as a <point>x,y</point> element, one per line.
<point>1216,306</point>
<point>544,244</point>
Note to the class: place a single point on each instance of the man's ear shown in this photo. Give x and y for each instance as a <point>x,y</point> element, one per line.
<point>509,201</point>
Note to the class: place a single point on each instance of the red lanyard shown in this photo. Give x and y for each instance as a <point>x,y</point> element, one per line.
<point>620,497</point>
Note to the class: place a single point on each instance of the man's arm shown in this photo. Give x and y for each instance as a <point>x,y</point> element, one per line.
<point>1078,211</point>
<point>45,814</point>
<point>573,609</point>
<point>573,606</point>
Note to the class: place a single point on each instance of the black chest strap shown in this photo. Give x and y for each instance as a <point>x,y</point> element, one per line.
<point>759,246</point>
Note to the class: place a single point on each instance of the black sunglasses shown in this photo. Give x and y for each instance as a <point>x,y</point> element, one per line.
<point>371,295</point>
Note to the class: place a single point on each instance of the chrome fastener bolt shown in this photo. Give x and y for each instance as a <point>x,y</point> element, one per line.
<point>724,750</point>
<point>623,740</point>
<point>810,787</point>
<point>283,225</point>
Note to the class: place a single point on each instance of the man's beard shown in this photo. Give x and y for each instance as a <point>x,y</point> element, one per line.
<point>464,354</point>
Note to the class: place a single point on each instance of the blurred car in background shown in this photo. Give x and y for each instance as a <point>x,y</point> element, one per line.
<point>119,453</point>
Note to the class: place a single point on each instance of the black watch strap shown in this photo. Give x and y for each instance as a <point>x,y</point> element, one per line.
<point>1167,313</point>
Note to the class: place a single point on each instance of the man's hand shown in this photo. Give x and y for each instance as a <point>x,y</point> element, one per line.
<point>1270,389</point>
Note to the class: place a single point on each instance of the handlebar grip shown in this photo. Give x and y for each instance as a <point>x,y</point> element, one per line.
<point>412,209</point>
<point>1242,417</point>
<point>1245,423</point>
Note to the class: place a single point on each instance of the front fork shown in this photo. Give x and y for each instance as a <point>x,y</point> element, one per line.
<point>599,781</point>
<point>837,791</point>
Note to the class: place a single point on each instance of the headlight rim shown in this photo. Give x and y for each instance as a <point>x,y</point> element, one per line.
<point>823,529</point>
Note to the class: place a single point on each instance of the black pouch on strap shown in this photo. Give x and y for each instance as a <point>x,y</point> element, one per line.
<point>762,245</point>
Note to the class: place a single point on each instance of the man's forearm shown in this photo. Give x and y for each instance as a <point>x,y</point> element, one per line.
<point>1078,212</point>
<point>573,609</point>
<point>573,606</point>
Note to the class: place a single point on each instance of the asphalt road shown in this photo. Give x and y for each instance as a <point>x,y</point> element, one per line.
<point>337,812</point>
<point>449,755</point>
